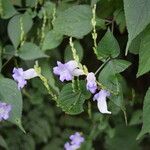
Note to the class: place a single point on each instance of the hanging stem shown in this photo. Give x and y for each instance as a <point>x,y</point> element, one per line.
<point>54,16</point>
<point>43,26</point>
<point>44,80</point>
<point>94,34</point>
<point>22,36</point>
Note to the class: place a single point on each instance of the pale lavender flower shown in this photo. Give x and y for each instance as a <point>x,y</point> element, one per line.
<point>21,76</point>
<point>101,101</point>
<point>68,70</point>
<point>73,68</point>
<point>91,82</point>
<point>4,111</point>
<point>76,141</point>
<point>63,72</point>
<point>69,146</point>
<point>18,76</point>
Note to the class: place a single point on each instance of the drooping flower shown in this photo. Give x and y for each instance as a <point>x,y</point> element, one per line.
<point>101,101</point>
<point>91,82</point>
<point>4,111</point>
<point>21,76</point>
<point>68,70</point>
<point>76,141</point>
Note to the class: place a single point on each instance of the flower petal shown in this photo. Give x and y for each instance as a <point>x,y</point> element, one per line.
<point>77,72</point>
<point>91,82</point>
<point>29,74</point>
<point>102,106</point>
<point>71,65</point>
<point>4,111</point>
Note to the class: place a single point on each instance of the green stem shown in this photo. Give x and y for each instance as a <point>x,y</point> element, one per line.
<point>26,94</point>
<point>112,26</point>
<point>102,66</point>
<point>89,110</point>
<point>6,62</point>
<point>125,117</point>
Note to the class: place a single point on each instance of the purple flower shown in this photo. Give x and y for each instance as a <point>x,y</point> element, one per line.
<point>21,76</point>
<point>4,111</point>
<point>101,101</point>
<point>68,70</point>
<point>69,146</point>
<point>18,76</point>
<point>91,82</point>
<point>76,141</point>
<point>76,138</point>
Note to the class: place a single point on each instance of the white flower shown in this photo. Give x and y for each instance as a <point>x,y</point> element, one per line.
<point>29,74</point>
<point>101,101</point>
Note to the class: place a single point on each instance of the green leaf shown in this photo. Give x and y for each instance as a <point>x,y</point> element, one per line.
<point>30,3</point>
<point>120,65</point>
<point>110,78</point>
<point>137,15</point>
<point>52,40</point>
<point>107,76</point>
<point>100,23</point>
<point>20,140</point>
<point>68,52</point>
<point>3,142</point>
<point>72,102</point>
<point>55,144</point>
<point>9,51</point>
<point>14,27</point>
<point>17,3</point>
<point>107,7</point>
<point>146,111</point>
<point>94,2</point>
<point>30,51</point>
<point>10,94</point>
<point>43,128</point>
<point>68,121</point>
<point>49,8</point>
<point>48,73</point>
<point>136,118</point>
<point>124,139</point>
<point>108,47</point>
<point>118,98</point>
<point>88,145</point>
<point>75,21</point>
<point>144,56</point>
<point>28,142</point>
<point>135,45</point>
<point>8,9</point>
<point>120,19</point>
